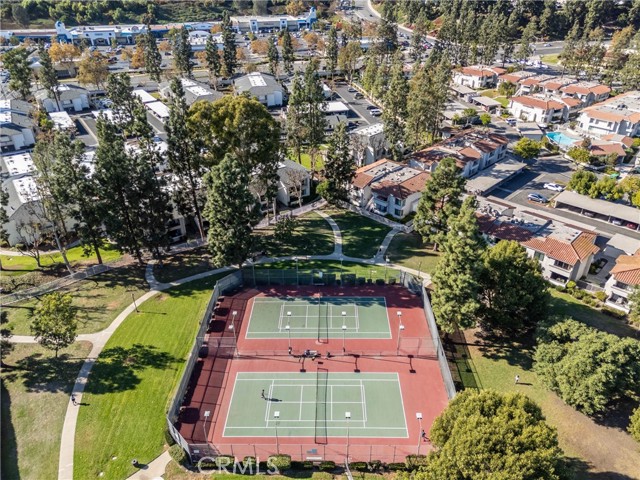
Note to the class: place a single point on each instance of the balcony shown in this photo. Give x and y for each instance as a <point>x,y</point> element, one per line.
<point>560,267</point>
<point>559,280</point>
<point>618,302</point>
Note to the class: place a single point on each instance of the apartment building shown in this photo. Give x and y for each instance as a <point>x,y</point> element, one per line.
<point>618,115</point>
<point>625,276</point>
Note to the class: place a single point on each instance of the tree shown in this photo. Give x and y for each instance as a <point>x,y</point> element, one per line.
<point>48,76</point>
<point>17,64</point>
<point>185,160</point>
<point>54,324</point>
<point>630,74</point>
<point>294,121</point>
<point>634,424</point>
<point>182,51</point>
<point>152,57</point>
<point>395,109</point>
<point>507,89</point>
<point>440,200</point>
<point>634,305</point>
<point>4,218</point>
<point>527,148</point>
<point>456,277</point>
<point>370,72</point>
<point>582,181</point>
<point>20,14</point>
<point>332,50</point>
<point>579,154</point>
<point>93,69</point>
<point>514,294</point>
<point>348,58</point>
<point>231,211</point>
<point>212,58</point>
<point>313,119</point>
<point>295,7</point>
<point>388,28</point>
<point>287,52</point>
<point>589,369</point>
<point>65,54</point>
<point>528,35</point>
<point>273,56</point>
<point>339,166</point>
<point>229,54</point>
<point>6,347</point>
<point>607,188</point>
<point>486,431</point>
<point>485,119</point>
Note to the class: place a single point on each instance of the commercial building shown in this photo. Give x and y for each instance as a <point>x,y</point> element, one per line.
<point>263,87</point>
<point>16,127</point>
<point>268,23</point>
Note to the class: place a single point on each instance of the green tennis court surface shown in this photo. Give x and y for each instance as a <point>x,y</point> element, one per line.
<point>314,405</point>
<point>319,317</point>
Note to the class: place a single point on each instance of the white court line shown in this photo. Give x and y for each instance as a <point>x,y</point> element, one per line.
<point>280,319</point>
<point>331,402</point>
<point>328,427</point>
<point>363,399</point>
<point>301,402</point>
<point>233,392</point>
<point>270,395</point>
<point>404,413</point>
<point>357,318</point>
<point>312,381</point>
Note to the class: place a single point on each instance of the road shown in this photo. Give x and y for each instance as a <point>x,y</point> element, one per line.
<point>358,106</point>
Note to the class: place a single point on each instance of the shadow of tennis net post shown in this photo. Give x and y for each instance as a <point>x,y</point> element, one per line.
<point>322,380</point>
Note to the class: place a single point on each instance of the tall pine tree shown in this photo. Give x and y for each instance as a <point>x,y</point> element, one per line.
<point>213,61</point>
<point>152,57</point>
<point>332,50</point>
<point>339,165</point>
<point>288,55</point>
<point>182,52</point>
<point>395,109</point>
<point>48,76</point>
<point>229,54</point>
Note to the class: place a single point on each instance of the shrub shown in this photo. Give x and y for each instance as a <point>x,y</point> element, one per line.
<point>327,465</point>
<point>168,438</point>
<point>577,293</point>
<point>397,467</point>
<point>330,278</point>
<point>602,296</point>
<point>379,281</point>
<point>250,461</point>
<point>361,281</point>
<point>375,465</point>
<point>178,454</point>
<point>369,281</point>
<point>571,285</point>
<point>392,281</point>
<point>415,461</point>
<point>634,424</point>
<point>612,312</point>
<point>281,462</point>
<point>225,460</point>
<point>359,466</point>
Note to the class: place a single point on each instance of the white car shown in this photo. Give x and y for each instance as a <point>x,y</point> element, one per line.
<point>554,186</point>
<point>376,112</point>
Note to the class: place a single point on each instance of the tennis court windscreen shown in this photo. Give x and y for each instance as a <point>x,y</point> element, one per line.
<point>322,380</point>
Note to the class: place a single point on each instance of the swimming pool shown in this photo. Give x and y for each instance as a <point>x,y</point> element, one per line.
<point>561,139</point>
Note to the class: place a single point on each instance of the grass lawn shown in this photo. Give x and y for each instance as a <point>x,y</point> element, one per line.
<point>597,448</point>
<point>408,250</point>
<point>553,59</point>
<point>35,393</point>
<point>19,265</point>
<point>361,237</point>
<point>183,264</point>
<point>334,266</point>
<point>312,235</point>
<point>133,380</point>
<point>493,93</point>
<point>305,160</point>
<point>99,299</point>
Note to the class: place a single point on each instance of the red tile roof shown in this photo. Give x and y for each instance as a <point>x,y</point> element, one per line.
<point>567,252</point>
<point>627,269</point>
<point>533,102</point>
<point>503,230</point>
<point>607,149</point>
<point>402,190</point>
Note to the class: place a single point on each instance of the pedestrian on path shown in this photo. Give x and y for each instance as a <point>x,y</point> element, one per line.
<point>423,434</point>
<point>262,394</point>
<point>73,400</point>
<point>517,379</point>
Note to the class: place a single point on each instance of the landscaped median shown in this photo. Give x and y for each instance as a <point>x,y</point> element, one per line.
<point>129,389</point>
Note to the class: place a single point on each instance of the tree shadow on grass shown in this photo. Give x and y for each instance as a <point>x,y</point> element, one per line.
<point>516,352</point>
<point>618,414</point>
<point>118,369</point>
<point>45,374</point>
<point>9,441</point>
<point>580,470</point>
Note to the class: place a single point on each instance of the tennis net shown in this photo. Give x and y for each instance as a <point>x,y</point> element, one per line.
<point>322,380</point>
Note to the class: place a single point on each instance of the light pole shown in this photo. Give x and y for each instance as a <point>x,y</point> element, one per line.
<point>276,415</point>
<point>420,269</point>
<point>233,317</point>
<point>204,425</point>
<point>371,272</point>
<point>344,333</point>
<point>297,278</point>
<point>235,340</point>
<point>419,417</point>
<point>400,328</point>
<point>386,264</point>
<point>347,415</point>
<point>288,329</point>
<point>133,297</point>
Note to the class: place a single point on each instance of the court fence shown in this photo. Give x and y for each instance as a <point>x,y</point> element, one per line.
<point>347,276</point>
<point>222,286</point>
<point>226,347</point>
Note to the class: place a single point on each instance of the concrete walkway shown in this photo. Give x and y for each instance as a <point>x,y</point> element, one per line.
<point>382,251</point>
<point>337,234</point>
<point>154,469</point>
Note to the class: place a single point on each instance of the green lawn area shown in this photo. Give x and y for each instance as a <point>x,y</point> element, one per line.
<point>492,363</point>
<point>493,93</point>
<point>133,380</point>
<point>99,299</point>
<point>554,58</point>
<point>305,160</point>
<point>361,237</point>
<point>19,265</point>
<point>183,264</point>
<point>312,235</point>
<point>408,250</point>
<point>35,394</point>
<point>334,266</point>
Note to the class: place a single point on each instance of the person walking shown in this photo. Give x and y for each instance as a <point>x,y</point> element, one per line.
<point>262,394</point>
<point>517,379</point>
<point>73,400</point>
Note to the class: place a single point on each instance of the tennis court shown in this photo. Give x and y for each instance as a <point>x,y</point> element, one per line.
<point>316,405</point>
<point>318,317</point>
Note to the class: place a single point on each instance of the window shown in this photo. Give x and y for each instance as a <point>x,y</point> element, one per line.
<point>398,212</point>
<point>562,265</point>
<point>539,256</point>
<point>399,202</point>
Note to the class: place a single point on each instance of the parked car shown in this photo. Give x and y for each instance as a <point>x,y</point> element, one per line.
<point>376,112</point>
<point>372,107</point>
<point>554,186</point>
<point>536,197</point>
<point>351,90</point>
<point>359,96</point>
<point>547,45</point>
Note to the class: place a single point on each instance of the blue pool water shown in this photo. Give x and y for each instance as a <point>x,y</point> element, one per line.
<point>561,139</point>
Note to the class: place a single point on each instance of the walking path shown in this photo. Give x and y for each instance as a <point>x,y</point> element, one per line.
<point>99,339</point>
<point>382,251</point>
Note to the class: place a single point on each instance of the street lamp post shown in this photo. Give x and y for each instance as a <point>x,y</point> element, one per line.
<point>204,425</point>
<point>419,417</point>
<point>133,297</point>
<point>235,340</point>
<point>297,277</point>
<point>386,264</point>
<point>344,329</point>
<point>347,415</point>
<point>276,415</point>
<point>288,329</point>
<point>400,328</point>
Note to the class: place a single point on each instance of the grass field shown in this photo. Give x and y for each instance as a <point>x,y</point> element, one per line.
<point>35,394</point>
<point>493,93</point>
<point>408,250</point>
<point>183,264</point>
<point>133,380</point>
<point>553,59</point>
<point>361,237</point>
<point>333,266</point>
<point>99,299</point>
<point>598,448</point>
<point>19,265</point>
<point>312,235</point>
<point>306,407</point>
